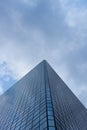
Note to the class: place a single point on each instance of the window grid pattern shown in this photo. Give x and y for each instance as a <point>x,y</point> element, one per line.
<point>41,101</point>
<point>50,114</point>
<point>69,113</point>
<point>26,109</point>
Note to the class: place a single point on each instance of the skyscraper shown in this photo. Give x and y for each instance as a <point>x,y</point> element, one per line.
<point>41,101</point>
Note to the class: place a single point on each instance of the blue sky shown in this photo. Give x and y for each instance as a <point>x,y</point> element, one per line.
<point>55,30</point>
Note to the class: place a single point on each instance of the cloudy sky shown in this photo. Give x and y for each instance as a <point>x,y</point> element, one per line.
<point>55,30</point>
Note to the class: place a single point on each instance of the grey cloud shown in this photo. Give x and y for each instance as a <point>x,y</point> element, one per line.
<point>41,17</point>
<point>31,33</point>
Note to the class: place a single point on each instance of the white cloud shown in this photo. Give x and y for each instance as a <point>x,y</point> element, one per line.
<point>14,66</point>
<point>75,16</point>
<point>20,57</point>
<point>55,33</point>
<point>1,88</point>
<point>31,3</point>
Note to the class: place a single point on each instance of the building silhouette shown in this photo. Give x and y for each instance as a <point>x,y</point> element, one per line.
<point>41,101</point>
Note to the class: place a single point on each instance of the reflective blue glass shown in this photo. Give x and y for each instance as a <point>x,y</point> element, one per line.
<point>41,101</point>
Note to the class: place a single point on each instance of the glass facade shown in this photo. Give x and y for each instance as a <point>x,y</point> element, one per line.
<point>41,101</point>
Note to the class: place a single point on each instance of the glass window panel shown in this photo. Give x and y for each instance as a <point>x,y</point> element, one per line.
<point>51,117</point>
<point>43,125</point>
<point>50,113</point>
<point>52,128</point>
<point>51,122</point>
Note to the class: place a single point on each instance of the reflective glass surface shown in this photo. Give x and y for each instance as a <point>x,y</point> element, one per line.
<point>41,101</point>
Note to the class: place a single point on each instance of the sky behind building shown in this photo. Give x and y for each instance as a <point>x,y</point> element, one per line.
<point>55,30</point>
